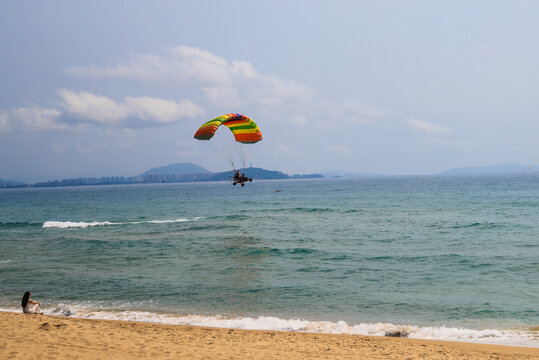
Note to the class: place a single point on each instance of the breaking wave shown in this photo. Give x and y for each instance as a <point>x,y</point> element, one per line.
<point>516,337</point>
<point>74,224</point>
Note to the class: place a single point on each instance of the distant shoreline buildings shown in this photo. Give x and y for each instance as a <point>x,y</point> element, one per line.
<point>111,180</point>
<point>115,180</point>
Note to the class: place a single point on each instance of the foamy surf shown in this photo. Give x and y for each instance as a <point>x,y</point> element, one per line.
<point>512,337</point>
<point>72,224</point>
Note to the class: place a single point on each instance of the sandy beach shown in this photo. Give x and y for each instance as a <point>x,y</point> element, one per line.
<point>52,337</point>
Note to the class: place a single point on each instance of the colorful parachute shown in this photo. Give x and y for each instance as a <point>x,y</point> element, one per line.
<point>244,129</point>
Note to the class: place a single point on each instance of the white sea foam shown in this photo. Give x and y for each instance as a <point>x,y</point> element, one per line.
<point>72,224</point>
<point>4,261</point>
<point>164,221</point>
<point>513,337</point>
<point>11,310</point>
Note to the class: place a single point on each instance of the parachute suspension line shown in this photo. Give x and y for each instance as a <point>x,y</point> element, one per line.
<point>223,152</point>
<point>240,150</point>
<point>243,157</point>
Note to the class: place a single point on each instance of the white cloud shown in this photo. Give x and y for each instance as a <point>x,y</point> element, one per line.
<point>79,108</point>
<point>101,110</point>
<point>244,69</point>
<point>194,52</point>
<point>229,85</point>
<point>93,108</point>
<point>30,119</point>
<point>182,63</point>
<point>222,82</point>
<point>35,118</point>
<point>234,84</point>
<point>191,63</point>
<point>4,123</point>
<point>160,110</point>
<point>139,66</point>
<point>427,127</point>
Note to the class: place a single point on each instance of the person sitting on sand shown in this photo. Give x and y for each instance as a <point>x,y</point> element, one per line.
<point>30,306</point>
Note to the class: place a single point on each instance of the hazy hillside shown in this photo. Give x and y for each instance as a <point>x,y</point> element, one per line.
<point>179,168</point>
<point>255,173</point>
<point>493,169</point>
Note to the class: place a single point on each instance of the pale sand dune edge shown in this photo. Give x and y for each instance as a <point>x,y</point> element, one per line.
<point>52,337</point>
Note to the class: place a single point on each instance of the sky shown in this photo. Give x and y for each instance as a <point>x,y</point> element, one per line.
<point>113,88</point>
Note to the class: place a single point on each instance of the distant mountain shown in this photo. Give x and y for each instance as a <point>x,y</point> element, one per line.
<point>307,176</point>
<point>179,168</point>
<point>347,174</point>
<point>491,170</point>
<point>252,172</point>
<point>260,174</point>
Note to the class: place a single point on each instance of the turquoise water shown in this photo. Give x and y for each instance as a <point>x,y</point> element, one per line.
<point>441,257</point>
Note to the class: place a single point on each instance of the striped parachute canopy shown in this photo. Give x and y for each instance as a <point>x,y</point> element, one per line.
<point>244,129</point>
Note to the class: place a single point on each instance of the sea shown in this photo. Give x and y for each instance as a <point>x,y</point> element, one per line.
<point>429,257</point>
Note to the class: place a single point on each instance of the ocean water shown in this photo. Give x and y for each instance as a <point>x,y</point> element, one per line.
<point>453,258</point>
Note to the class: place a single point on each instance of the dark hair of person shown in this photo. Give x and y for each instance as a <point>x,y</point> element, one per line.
<point>25,299</point>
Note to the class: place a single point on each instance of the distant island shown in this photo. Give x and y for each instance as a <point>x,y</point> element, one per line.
<point>174,173</point>
<point>499,169</point>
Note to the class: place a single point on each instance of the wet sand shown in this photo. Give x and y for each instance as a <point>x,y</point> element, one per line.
<point>51,337</point>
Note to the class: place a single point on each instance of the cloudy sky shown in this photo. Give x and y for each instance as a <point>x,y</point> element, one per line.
<point>101,88</point>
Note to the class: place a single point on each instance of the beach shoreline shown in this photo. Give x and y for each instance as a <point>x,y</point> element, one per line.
<point>43,336</point>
